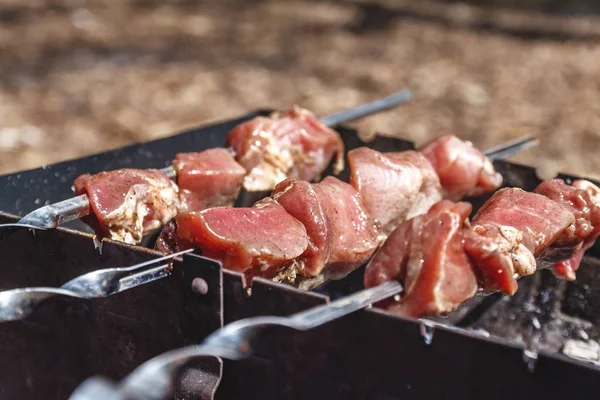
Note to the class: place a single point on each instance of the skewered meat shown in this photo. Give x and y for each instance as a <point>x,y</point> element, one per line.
<point>303,234</point>
<point>463,170</point>
<point>342,235</point>
<point>258,240</point>
<point>533,230</point>
<point>509,230</point>
<point>394,186</point>
<point>211,178</point>
<point>512,235</point>
<point>583,199</point>
<point>338,217</point>
<point>128,203</point>
<point>399,186</point>
<point>292,144</point>
<point>426,253</point>
<point>300,200</point>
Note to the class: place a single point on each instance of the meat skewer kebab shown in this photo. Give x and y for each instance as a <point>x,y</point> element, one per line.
<point>127,204</point>
<point>338,254</point>
<point>443,260</point>
<point>54,215</point>
<point>307,233</point>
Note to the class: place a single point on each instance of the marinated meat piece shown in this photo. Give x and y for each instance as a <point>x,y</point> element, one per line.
<point>126,204</point>
<point>567,269</point>
<point>342,235</point>
<point>258,240</point>
<point>512,235</point>
<point>594,192</point>
<point>577,202</point>
<point>355,236</point>
<point>293,144</point>
<point>211,178</point>
<point>463,170</point>
<point>498,253</point>
<point>300,200</point>
<point>393,186</point>
<point>426,255</point>
<point>509,231</point>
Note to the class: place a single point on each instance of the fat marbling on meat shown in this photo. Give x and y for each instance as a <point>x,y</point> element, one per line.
<point>292,144</point>
<point>426,255</point>
<point>210,178</point>
<point>126,204</point>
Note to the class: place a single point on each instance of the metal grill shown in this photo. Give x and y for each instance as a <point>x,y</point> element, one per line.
<point>492,346</point>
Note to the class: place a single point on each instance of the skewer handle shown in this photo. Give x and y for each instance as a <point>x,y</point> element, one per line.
<point>56,214</point>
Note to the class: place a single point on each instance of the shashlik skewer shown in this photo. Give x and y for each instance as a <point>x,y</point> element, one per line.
<point>17,303</point>
<point>127,204</point>
<point>54,215</point>
<point>443,260</point>
<point>306,233</point>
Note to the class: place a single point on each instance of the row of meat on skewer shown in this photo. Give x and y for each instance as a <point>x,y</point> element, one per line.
<point>402,211</point>
<point>126,204</point>
<point>306,233</point>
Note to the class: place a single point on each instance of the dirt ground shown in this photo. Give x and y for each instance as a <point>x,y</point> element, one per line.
<point>79,77</point>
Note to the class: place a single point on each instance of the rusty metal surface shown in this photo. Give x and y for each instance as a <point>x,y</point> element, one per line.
<point>67,340</point>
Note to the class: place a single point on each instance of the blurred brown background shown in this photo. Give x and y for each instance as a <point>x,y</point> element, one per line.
<point>79,77</point>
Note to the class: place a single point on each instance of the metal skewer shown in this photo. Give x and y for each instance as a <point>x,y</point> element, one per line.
<point>17,304</point>
<point>53,215</point>
<point>367,109</point>
<point>154,380</point>
<point>512,147</point>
